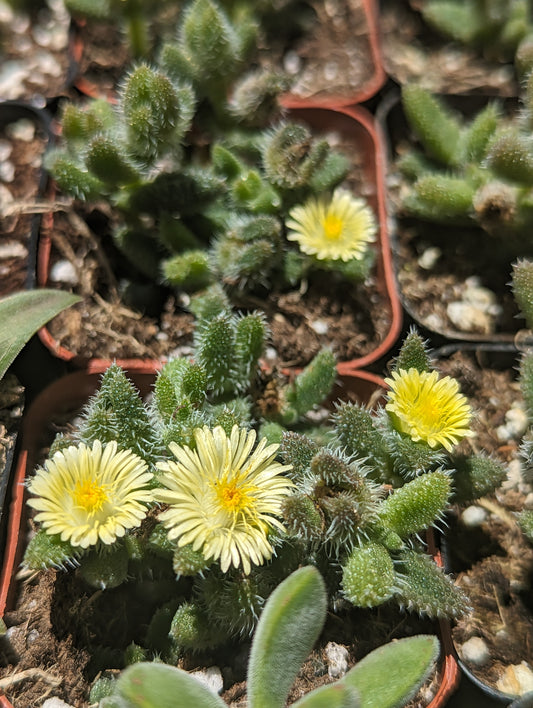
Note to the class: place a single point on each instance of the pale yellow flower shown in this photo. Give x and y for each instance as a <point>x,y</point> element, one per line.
<point>428,408</point>
<point>223,497</point>
<point>90,494</point>
<point>339,228</point>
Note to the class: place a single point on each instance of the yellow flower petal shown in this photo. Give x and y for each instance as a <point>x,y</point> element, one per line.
<point>338,229</point>
<point>224,496</point>
<point>90,494</point>
<point>427,408</point>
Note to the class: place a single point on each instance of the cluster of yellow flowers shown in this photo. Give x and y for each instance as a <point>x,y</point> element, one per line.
<point>224,497</point>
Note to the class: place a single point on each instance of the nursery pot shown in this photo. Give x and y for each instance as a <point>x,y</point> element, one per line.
<point>482,544</point>
<point>66,395</point>
<point>453,278</point>
<point>355,127</point>
<point>338,64</point>
<point>28,184</point>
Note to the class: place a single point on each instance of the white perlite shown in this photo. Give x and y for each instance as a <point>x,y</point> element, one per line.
<point>56,703</point>
<point>516,680</point>
<point>337,658</point>
<point>211,678</point>
<point>475,651</point>
<point>64,272</point>
<point>473,516</point>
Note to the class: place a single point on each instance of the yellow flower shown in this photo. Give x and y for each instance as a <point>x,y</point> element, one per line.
<point>336,229</point>
<point>91,494</point>
<point>223,497</point>
<point>428,408</point>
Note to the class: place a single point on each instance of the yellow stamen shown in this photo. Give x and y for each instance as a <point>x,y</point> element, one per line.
<point>332,226</point>
<point>90,495</point>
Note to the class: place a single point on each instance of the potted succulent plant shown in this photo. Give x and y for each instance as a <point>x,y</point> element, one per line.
<point>457,47</point>
<point>197,189</point>
<point>326,490</point>
<point>488,538</point>
<point>331,55</point>
<point>460,187</point>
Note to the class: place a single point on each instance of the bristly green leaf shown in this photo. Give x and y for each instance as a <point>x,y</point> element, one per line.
<point>522,287</point>
<point>22,314</point>
<point>437,127</point>
<point>418,504</point>
<point>414,353</point>
<point>424,588</point>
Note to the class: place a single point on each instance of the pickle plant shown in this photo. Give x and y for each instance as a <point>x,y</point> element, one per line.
<point>498,28</point>
<point>291,622</point>
<point>191,508</point>
<point>209,181</point>
<point>476,172</point>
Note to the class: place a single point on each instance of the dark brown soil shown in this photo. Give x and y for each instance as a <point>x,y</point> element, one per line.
<point>17,201</point>
<point>463,254</point>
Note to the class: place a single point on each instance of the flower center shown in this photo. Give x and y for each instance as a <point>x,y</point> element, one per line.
<point>90,495</point>
<point>332,227</point>
<point>232,497</point>
<point>235,497</point>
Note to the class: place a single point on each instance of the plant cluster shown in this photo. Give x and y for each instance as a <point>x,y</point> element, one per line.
<point>210,499</point>
<point>290,624</point>
<point>502,30</point>
<point>209,181</point>
<point>476,172</point>
<point>147,26</point>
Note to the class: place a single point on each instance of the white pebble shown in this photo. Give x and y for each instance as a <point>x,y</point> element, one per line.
<point>55,702</point>
<point>7,171</point>
<point>5,150</point>
<point>6,13</point>
<point>516,680</point>
<point>13,249</point>
<point>291,63</point>
<point>517,421</point>
<point>337,658</point>
<point>469,318</point>
<point>429,258</point>
<point>23,129</point>
<point>475,651</point>
<point>63,272</point>
<point>514,475</point>
<point>319,326</point>
<point>211,678</point>
<point>33,634</point>
<point>13,74</point>
<point>473,516</point>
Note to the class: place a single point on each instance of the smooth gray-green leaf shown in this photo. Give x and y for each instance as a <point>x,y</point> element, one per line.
<point>22,314</point>
<point>289,626</point>
<point>154,685</point>
<point>335,695</point>
<point>389,676</point>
